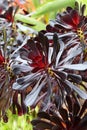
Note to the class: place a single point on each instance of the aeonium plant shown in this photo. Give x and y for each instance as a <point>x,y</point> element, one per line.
<point>71,26</point>
<point>72,22</point>
<point>71,116</point>
<point>10,40</point>
<point>50,72</point>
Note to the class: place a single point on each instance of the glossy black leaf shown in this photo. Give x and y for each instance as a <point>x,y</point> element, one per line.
<point>83,123</point>
<point>56,128</point>
<point>35,121</point>
<point>63,113</point>
<point>44,115</point>
<point>44,125</point>
<point>76,108</point>
<point>83,9</point>
<point>45,44</point>
<point>61,74</point>
<point>84,108</point>
<point>56,47</point>
<point>75,78</point>
<point>69,103</point>
<point>57,120</point>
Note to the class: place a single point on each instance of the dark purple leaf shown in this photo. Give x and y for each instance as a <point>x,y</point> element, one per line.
<point>69,103</point>
<point>75,78</point>
<point>63,113</point>
<point>57,120</point>
<point>83,123</point>
<point>43,125</point>
<point>76,108</point>
<point>84,107</point>
<point>44,115</point>
<point>56,47</point>
<point>83,9</point>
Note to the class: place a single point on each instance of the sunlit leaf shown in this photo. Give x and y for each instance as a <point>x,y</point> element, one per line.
<point>52,6</point>
<point>37,25</point>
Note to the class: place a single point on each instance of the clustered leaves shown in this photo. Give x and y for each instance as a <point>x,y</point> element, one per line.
<point>71,116</point>
<point>48,69</point>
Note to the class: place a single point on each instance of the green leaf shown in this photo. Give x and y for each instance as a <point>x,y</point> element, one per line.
<point>52,6</point>
<point>37,25</point>
<point>36,3</point>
